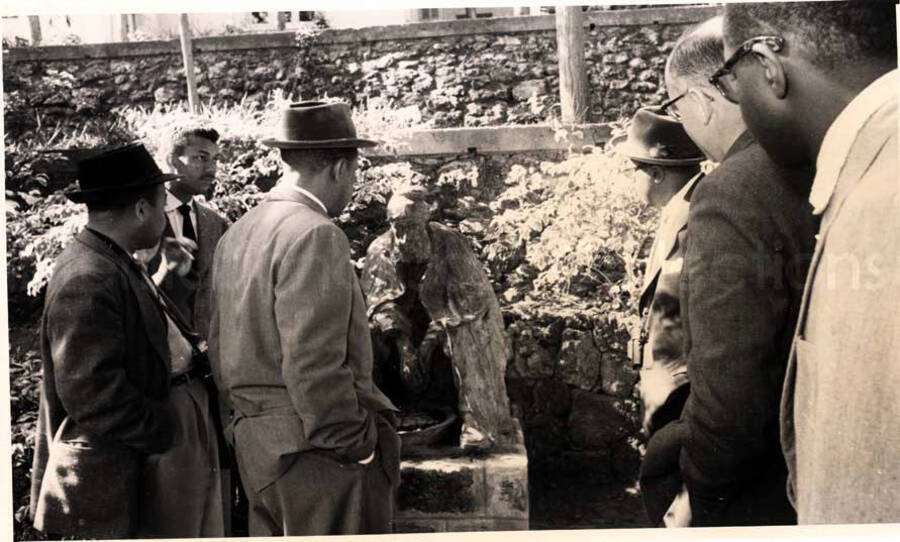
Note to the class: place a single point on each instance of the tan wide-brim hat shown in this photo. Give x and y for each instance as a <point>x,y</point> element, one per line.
<point>317,125</point>
<point>656,138</point>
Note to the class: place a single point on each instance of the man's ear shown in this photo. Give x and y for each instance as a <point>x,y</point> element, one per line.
<point>773,70</point>
<point>704,103</point>
<point>140,209</point>
<point>338,168</point>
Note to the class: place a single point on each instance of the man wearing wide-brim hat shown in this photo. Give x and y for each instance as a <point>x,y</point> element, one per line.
<point>290,345</point>
<point>105,357</point>
<point>667,164</point>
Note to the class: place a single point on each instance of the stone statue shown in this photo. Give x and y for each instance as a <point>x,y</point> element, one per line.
<point>437,330</point>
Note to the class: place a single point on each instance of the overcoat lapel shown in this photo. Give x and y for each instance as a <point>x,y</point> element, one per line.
<point>666,241</point>
<point>151,313</point>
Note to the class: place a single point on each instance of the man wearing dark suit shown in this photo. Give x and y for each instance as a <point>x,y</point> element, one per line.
<point>818,81</point>
<point>748,243</point>
<point>291,348</point>
<point>106,357</point>
<point>182,268</point>
<point>667,167</point>
<point>193,154</point>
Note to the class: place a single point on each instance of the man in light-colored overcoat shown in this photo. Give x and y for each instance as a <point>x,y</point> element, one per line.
<point>841,396</point>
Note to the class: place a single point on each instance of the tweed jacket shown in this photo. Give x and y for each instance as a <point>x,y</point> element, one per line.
<point>749,240</point>
<point>190,292</point>
<point>289,339</point>
<point>662,363</point>
<point>105,360</point>
<point>841,397</point>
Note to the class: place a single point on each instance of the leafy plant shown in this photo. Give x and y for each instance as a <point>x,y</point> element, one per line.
<point>578,230</point>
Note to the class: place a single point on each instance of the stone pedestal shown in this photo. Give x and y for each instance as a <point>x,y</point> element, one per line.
<point>464,493</point>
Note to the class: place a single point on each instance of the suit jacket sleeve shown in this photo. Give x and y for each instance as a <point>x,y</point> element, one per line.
<point>313,299</point>
<point>88,348</point>
<point>733,314</point>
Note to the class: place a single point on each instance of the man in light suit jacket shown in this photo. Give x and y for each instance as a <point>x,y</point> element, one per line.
<point>667,165</point>
<point>823,86</point>
<point>290,344</point>
<point>747,246</point>
<point>105,357</point>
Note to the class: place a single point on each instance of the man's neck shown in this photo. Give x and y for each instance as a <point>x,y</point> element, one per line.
<point>292,178</point>
<point>832,94</point>
<point>180,192</point>
<point>114,231</point>
<point>728,136</point>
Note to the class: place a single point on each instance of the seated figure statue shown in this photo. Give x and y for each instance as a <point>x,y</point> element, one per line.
<point>437,330</point>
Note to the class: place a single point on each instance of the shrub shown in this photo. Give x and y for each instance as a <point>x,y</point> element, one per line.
<point>571,233</point>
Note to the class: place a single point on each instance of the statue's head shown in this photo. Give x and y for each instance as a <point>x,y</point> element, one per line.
<point>408,214</point>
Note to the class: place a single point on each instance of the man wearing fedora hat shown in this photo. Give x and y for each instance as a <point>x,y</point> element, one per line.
<point>314,437</point>
<point>105,357</point>
<point>746,253</point>
<point>668,168</point>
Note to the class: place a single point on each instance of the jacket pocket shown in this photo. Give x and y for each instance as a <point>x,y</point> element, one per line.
<point>89,490</point>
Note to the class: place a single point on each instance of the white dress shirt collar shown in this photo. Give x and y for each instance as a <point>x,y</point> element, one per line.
<point>173,203</point>
<point>842,134</point>
<point>306,193</point>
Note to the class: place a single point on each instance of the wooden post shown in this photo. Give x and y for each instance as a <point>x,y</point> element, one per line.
<point>187,52</point>
<point>123,27</point>
<point>470,13</point>
<point>35,22</point>
<point>573,91</point>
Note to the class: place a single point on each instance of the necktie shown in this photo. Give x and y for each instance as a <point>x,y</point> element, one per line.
<point>187,228</point>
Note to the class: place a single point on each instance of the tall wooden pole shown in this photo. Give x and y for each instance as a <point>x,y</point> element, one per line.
<point>123,27</point>
<point>573,90</point>
<point>35,23</point>
<point>187,52</point>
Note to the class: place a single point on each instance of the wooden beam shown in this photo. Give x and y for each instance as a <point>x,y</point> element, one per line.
<point>187,54</point>
<point>492,140</point>
<point>573,92</point>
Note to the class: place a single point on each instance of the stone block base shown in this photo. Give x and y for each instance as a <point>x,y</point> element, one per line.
<point>465,493</point>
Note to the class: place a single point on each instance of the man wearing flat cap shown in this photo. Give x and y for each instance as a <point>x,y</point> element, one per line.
<point>314,437</point>
<point>105,347</point>
<point>668,169</point>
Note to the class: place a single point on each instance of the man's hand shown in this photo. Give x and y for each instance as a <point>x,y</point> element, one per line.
<point>177,254</point>
<point>679,513</point>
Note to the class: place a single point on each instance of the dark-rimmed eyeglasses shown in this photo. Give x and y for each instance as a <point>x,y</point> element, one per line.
<point>776,43</point>
<point>670,108</point>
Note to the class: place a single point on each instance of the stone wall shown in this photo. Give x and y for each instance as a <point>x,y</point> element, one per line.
<point>458,73</point>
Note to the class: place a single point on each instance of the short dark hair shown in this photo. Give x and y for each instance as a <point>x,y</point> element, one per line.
<point>699,52</point>
<point>828,34</point>
<point>317,159</point>
<point>117,201</point>
<point>181,137</point>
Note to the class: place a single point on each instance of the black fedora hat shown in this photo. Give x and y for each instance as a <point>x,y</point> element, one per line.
<point>317,125</point>
<point>656,138</point>
<point>115,171</point>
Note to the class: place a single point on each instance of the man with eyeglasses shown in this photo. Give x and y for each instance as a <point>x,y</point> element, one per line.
<point>817,81</point>
<point>746,250</point>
